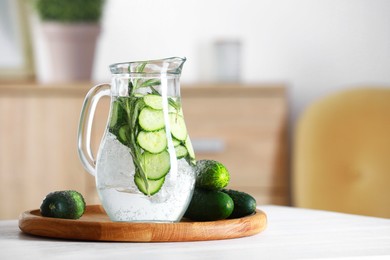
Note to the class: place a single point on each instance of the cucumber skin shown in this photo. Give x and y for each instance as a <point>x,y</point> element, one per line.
<point>211,175</point>
<point>209,205</point>
<point>67,204</point>
<point>244,204</point>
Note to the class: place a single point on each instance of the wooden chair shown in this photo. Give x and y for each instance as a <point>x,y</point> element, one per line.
<point>341,153</point>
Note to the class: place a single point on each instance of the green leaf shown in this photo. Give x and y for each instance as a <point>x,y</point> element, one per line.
<point>141,67</point>
<point>70,11</point>
<point>150,83</point>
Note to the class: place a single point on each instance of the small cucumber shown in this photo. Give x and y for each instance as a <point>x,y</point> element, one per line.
<point>211,175</point>
<point>151,119</point>
<point>209,205</point>
<point>244,204</point>
<point>156,166</point>
<point>153,185</point>
<point>67,204</point>
<point>178,126</point>
<point>153,142</point>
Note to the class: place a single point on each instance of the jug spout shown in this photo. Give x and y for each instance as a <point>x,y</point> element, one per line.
<point>172,65</point>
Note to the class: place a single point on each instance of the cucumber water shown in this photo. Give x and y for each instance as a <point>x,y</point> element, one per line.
<point>148,140</point>
<point>145,164</point>
<point>139,123</point>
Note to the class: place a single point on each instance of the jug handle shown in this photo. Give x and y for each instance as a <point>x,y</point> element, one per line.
<point>85,125</point>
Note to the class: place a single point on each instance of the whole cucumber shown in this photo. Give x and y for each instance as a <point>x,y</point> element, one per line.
<point>208,205</point>
<point>211,175</point>
<point>67,204</point>
<point>244,204</point>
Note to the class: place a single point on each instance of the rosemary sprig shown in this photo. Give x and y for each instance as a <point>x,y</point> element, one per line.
<point>150,83</point>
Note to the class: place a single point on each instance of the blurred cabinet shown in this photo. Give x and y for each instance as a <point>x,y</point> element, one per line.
<point>243,127</point>
<point>38,146</point>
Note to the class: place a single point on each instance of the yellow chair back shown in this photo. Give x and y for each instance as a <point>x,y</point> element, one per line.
<point>341,153</point>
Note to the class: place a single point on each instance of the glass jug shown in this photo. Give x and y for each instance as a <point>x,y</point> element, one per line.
<point>144,167</point>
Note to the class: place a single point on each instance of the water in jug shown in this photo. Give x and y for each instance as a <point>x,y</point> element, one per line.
<point>144,167</point>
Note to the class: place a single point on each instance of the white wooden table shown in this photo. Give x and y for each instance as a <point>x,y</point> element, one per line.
<point>292,233</point>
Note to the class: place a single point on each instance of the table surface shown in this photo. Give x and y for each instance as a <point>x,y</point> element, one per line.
<point>292,233</point>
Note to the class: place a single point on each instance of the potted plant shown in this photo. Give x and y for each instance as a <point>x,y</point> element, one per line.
<point>71,29</point>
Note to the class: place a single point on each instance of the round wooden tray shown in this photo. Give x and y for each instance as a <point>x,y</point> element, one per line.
<point>95,225</point>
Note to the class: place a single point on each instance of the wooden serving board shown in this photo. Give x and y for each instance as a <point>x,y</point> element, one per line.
<point>95,225</point>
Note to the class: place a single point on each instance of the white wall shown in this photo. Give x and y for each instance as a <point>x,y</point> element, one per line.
<point>10,40</point>
<point>313,46</point>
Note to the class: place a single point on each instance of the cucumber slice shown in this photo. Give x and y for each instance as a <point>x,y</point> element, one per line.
<point>138,95</point>
<point>116,111</point>
<point>181,151</point>
<point>189,147</point>
<point>150,119</point>
<point>153,142</point>
<point>153,185</point>
<point>156,102</point>
<point>156,166</point>
<point>118,116</point>
<point>178,126</point>
<point>124,135</point>
<point>175,142</point>
<point>153,101</point>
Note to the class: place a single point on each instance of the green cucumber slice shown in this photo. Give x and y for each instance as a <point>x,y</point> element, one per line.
<point>138,95</point>
<point>153,101</point>
<point>178,126</point>
<point>123,134</point>
<point>153,142</point>
<point>116,114</point>
<point>156,166</point>
<point>190,149</point>
<point>150,119</point>
<point>175,142</point>
<point>156,102</point>
<point>181,151</point>
<point>153,185</point>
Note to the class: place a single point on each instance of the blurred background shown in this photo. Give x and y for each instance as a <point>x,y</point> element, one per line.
<point>306,49</point>
<point>314,47</point>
